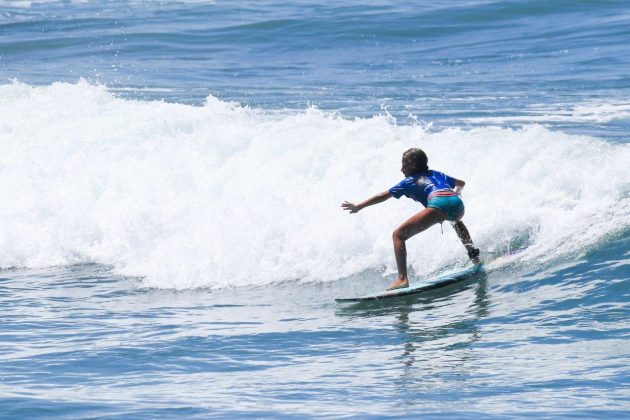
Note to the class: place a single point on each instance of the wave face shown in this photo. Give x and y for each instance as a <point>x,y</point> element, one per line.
<point>221,195</point>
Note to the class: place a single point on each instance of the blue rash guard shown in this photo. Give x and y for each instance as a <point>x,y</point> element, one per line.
<point>434,190</point>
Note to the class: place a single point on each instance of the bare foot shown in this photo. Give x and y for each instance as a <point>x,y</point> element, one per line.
<point>473,253</point>
<point>398,284</point>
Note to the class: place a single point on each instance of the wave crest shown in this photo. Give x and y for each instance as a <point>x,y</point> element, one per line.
<point>221,195</point>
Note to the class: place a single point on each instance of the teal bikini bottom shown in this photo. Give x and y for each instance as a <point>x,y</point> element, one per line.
<point>451,205</point>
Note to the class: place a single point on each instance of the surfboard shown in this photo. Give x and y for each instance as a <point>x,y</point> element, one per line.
<point>421,287</point>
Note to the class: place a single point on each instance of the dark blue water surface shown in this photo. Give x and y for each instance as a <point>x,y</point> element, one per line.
<point>548,341</point>
<point>446,62</point>
<point>122,291</point>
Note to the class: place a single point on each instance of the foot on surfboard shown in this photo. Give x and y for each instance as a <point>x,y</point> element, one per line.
<point>473,254</point>
<point>398,284</point>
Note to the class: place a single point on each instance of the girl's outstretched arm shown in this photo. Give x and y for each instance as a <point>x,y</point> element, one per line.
<point>354,208</point>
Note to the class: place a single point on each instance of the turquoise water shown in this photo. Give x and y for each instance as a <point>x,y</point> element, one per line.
<point>171,240</point>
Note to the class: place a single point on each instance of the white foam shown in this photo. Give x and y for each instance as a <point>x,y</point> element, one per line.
<point>592,112</point>
<point>220,195</point>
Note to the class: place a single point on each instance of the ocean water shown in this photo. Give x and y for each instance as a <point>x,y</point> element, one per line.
<point>171,238</point>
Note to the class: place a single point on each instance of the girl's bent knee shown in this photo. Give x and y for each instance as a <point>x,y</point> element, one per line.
<point>399,235</point>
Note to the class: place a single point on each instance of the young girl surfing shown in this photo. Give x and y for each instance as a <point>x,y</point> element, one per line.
<point>438,192</point>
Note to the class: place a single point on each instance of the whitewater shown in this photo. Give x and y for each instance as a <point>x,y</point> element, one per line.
<point>182,195</point>
<point>171,232</point>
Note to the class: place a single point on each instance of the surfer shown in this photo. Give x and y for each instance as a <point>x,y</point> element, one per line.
<point>440,195</point>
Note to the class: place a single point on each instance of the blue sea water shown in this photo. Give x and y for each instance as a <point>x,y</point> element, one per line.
<point>171,240</point>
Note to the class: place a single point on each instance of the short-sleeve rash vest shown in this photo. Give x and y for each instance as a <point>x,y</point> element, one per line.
<point>423,185</point>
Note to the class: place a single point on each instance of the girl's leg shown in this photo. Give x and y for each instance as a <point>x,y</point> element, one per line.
<point>415,224</point>
<point>464,236</point>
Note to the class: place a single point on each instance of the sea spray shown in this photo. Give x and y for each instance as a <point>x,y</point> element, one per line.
<point>224,196</point>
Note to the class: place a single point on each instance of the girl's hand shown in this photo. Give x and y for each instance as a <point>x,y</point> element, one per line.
<point>459,186</point>
<point>378,198</point>
<point>352,208</point>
